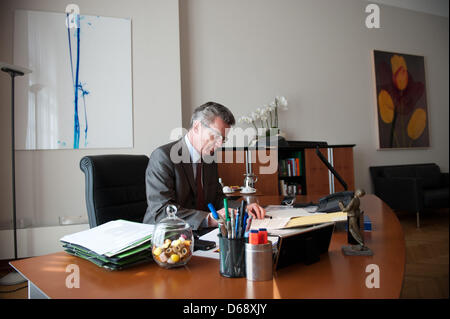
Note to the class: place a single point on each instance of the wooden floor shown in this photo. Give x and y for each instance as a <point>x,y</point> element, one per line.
<point>427,258</point>
<point>427,248</point>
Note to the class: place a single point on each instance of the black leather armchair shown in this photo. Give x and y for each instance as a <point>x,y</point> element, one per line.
<point>412,187</point>
<point>115,187</point>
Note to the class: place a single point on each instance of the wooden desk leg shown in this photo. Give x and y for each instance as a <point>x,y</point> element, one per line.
<point>34,292</point>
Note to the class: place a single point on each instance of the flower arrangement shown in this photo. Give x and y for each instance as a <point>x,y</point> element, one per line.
<point>267,116</point>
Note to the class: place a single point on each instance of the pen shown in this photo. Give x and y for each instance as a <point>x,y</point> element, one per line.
<point>244,224</point>
<point>249,223</point>
<point>223,230</point>
<point>237,227</point>
<point>241,215</point>
<point>262,235</point>
<point>213,211</point>
<point>225,205</point>
<point>232,226</point>
<point>254,237</point>
<point>216,216</point>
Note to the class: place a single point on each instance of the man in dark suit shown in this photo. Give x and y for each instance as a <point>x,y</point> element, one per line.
<point>184,173</point>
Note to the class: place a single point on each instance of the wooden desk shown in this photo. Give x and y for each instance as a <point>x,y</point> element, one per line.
<point>334,276</point>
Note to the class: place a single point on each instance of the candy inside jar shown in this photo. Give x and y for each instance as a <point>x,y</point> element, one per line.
<point>172,240</point>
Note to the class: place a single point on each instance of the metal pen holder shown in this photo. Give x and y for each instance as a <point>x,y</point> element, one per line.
<point>259,261</point>
<point>232,257</point>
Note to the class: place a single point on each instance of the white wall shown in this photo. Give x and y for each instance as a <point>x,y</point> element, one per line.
<point>436,7</point>
<point>36,241</point>
<point>243,53</point>
<point>50,183</point>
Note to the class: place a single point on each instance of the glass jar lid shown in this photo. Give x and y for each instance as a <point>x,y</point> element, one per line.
<point>172,222</point>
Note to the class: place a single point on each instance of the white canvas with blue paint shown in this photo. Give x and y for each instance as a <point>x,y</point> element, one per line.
<point>79,94</point>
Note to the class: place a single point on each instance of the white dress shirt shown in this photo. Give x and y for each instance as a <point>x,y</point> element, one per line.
<point>195,156</point>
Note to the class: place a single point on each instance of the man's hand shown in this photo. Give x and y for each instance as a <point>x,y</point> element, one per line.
<point>256,211</point>
<point>221,212</point>
<point>253,209</point>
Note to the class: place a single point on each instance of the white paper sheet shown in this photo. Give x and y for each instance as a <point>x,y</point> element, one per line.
<point>212,236</point>
<point>289,213</point>
<point>110,237</point>
<point>270,223</point>
<point>212,253</point>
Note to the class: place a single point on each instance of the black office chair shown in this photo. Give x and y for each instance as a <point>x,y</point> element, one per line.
<point>115,187</point>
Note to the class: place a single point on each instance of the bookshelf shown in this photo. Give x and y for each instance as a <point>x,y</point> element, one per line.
<point>291,172</point>
<point>277,172</point>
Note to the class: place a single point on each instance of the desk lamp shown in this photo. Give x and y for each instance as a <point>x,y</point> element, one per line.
<point>13,278</point>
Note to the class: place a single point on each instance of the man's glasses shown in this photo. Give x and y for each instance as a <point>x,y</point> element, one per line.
<point>217,136</point>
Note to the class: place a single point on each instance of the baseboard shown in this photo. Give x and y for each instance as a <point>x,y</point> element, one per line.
<point>35,241</point>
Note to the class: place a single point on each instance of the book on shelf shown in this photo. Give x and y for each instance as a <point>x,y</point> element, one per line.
<point>290,188</point>
<point>291,166</point>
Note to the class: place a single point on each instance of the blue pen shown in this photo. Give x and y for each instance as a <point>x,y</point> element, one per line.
<point>237,225</point>
<point>213,211</point>
<point>244,224</point>
<point>222,226</point>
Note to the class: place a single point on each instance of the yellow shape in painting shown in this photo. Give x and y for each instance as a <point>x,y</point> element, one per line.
<point>399,72</point>
<point>386,106</point>
<point>417,123</point>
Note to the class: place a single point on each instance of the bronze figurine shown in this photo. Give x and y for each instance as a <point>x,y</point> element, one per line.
<point>354,215</point>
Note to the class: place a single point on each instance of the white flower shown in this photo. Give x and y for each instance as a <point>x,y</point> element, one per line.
<point>273,106</point>
<point>259,111</point>
<point>255,116</point>
<point>281,102</point>
<point>264,117</point>
<point>245,119</point>
<point>264,111</point>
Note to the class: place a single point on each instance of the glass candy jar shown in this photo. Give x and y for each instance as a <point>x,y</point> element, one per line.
<point>172,240</point>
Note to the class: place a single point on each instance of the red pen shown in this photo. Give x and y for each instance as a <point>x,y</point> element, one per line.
<point>262,236</point>
<point>253,238</point>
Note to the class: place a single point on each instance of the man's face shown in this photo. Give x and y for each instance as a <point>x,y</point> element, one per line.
<point>210,137</point>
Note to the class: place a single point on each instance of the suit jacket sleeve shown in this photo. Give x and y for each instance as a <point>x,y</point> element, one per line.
<point>160,188</point>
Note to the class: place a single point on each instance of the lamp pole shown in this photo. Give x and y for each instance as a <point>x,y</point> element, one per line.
<point>13,74</point>
<point>13,71</point>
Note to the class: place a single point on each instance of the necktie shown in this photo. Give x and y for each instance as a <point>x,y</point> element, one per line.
<point>200,197</point>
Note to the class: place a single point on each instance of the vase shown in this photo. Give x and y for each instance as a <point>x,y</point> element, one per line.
<point>271,137</point>
<point>272,131</point>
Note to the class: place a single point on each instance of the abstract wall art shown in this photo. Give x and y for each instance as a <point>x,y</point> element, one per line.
<point>401,101</point>
<point>79,94</point>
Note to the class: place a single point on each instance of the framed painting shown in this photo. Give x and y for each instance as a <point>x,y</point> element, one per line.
<point>79,94</point>
<point>402,110</point>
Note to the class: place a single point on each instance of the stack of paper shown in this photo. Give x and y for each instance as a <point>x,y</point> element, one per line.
<point>295,217</point>
<point>114,245</point>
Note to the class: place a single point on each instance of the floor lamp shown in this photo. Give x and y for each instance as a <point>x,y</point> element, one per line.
<point>13,70</point>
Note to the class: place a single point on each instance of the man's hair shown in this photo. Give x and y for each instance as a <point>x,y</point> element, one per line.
<point>207,112</point>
